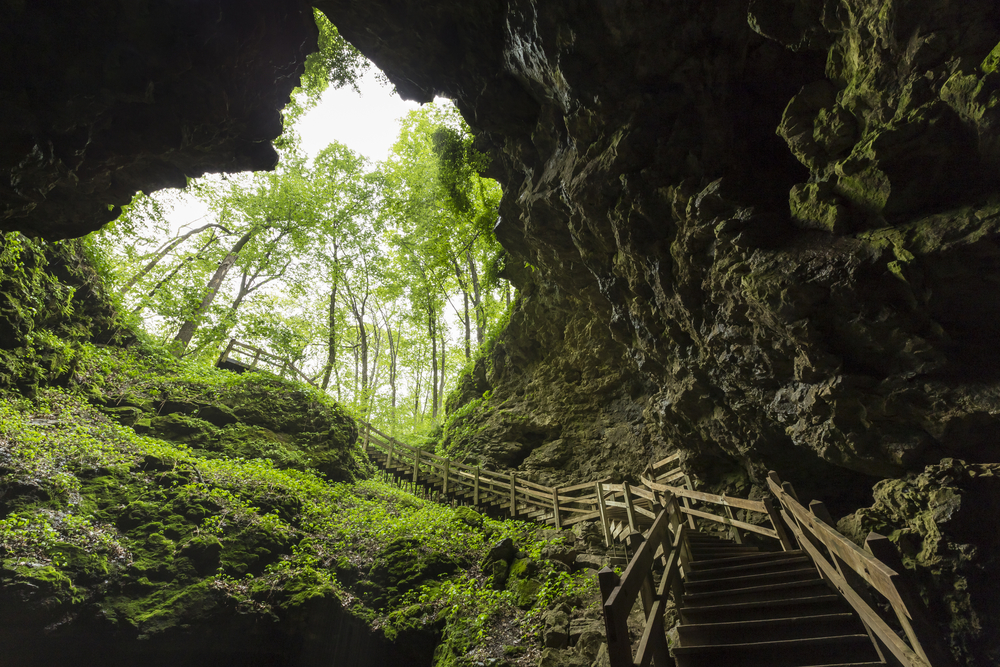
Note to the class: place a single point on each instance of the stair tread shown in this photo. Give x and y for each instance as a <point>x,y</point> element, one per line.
<point>747,646</point>
<point>790,585</point>
<point>714,563</point>
<point>722,572</point>
<point>761,576</point>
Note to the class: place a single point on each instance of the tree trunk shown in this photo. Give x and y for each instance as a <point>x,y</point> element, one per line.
<point>331,357</point>
<point>465,317</point>
<point>432,332</point>
<point>477,298</point>
<point>169,276</point>
<point>163,252</point>
<point>444,358</point>
<point>186,332</point>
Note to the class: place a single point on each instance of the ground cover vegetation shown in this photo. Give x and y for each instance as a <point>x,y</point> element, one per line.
<point>149,496</point>
<point>149,499</point>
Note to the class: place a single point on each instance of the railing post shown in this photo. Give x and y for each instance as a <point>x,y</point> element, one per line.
<point>687,504</point>
<point>475,490</point>
<point>729,512</point>
<point>603,510</point>
<point>447,470</point>
<point>368,432</point>
<point>912,616</point>
<point>555,507</point>
<point>633,524</point>
<point>392,453</point>
<point>615,624</point>
<point>416,468</point>
<point>513,496</point>
<point>787,544</point>
<point>229,348</point>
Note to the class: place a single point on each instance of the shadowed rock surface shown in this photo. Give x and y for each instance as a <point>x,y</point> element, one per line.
<point>761,233</point>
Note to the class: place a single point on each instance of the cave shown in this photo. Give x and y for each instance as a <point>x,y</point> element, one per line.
<point>764,232</point>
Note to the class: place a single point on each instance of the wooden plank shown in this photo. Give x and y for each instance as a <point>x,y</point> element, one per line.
<point>752,505</point>
<point>513,495</point>
<point>730,522</point>
<point>578,487</point>
<point>676,456</point>
<point>870,618</point>
<point>624,596</point>
<point>475,490</point>
<point>593,516</point>
<point>603,513</point>
<point>555,507</point>
<point>447,469</point>
<point>635,509</point>
<point>870,568</point>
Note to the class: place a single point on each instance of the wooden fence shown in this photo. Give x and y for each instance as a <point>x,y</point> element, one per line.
<point>854,572</point>
<point>254,358</point>
<point>655,518</point>
<point>857,573</point>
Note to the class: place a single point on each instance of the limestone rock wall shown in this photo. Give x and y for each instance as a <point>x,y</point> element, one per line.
<point>101,99</point>
<point>784,230</point>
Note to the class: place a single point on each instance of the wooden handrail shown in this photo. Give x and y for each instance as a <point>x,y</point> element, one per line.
<point>814,535</point>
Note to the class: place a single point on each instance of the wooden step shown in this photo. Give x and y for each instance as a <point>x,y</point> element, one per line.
<point>783,591</point>
<point>773,629</point>
<point>751,580</point>
<point>791,559</point>
<point>825,603</point>
<point>838,650</point>
<point>745,559</point>
<point>716,553</point>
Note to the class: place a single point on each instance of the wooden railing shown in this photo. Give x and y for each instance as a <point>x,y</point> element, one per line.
<point>654,519</point>
<point>498,492</point>
<point>856,573</point>
<point>254,358</point>
<point>665,544</point>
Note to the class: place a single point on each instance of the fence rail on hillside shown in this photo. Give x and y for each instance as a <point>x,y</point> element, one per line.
<point>254,358</point>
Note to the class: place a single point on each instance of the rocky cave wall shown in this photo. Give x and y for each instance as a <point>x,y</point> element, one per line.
<point>761,232</point>
<point>768,227</point>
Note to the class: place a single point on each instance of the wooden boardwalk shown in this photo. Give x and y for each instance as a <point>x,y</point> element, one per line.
<point>815,599</point>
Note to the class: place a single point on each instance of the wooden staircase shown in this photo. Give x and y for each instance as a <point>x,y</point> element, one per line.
<point>768,609</point>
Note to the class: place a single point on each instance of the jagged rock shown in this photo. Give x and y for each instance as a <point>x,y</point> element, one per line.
<point>556,628</point>
<point>101,100</point>
<point>504,550</point>
<point>941,522</point>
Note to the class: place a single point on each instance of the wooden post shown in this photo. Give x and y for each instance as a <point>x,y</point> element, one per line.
<point>615,624</point>
<point>447,469</point>
<point>790,490</point>
<point>912,616</point>
<point>787,544</point>
<point>633,524</point>
<point>603,510</point>
<point>416,468</point>
<point>555,507</point>
<point>475,490</point>
<point>513,496</point>
<point>687,504</point>
<point>634,541</point>
<point>368,430</point>
<point>736,531</point>
<point>392,453</point>
<point>229,348</point>
<point>256,358</point>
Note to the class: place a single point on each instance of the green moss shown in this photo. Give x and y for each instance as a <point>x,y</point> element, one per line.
<point>992,62</point>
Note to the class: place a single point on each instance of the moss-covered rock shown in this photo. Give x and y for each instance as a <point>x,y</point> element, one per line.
<point>941,521</point>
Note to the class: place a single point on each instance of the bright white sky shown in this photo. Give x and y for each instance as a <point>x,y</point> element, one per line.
<point>367,123</point>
